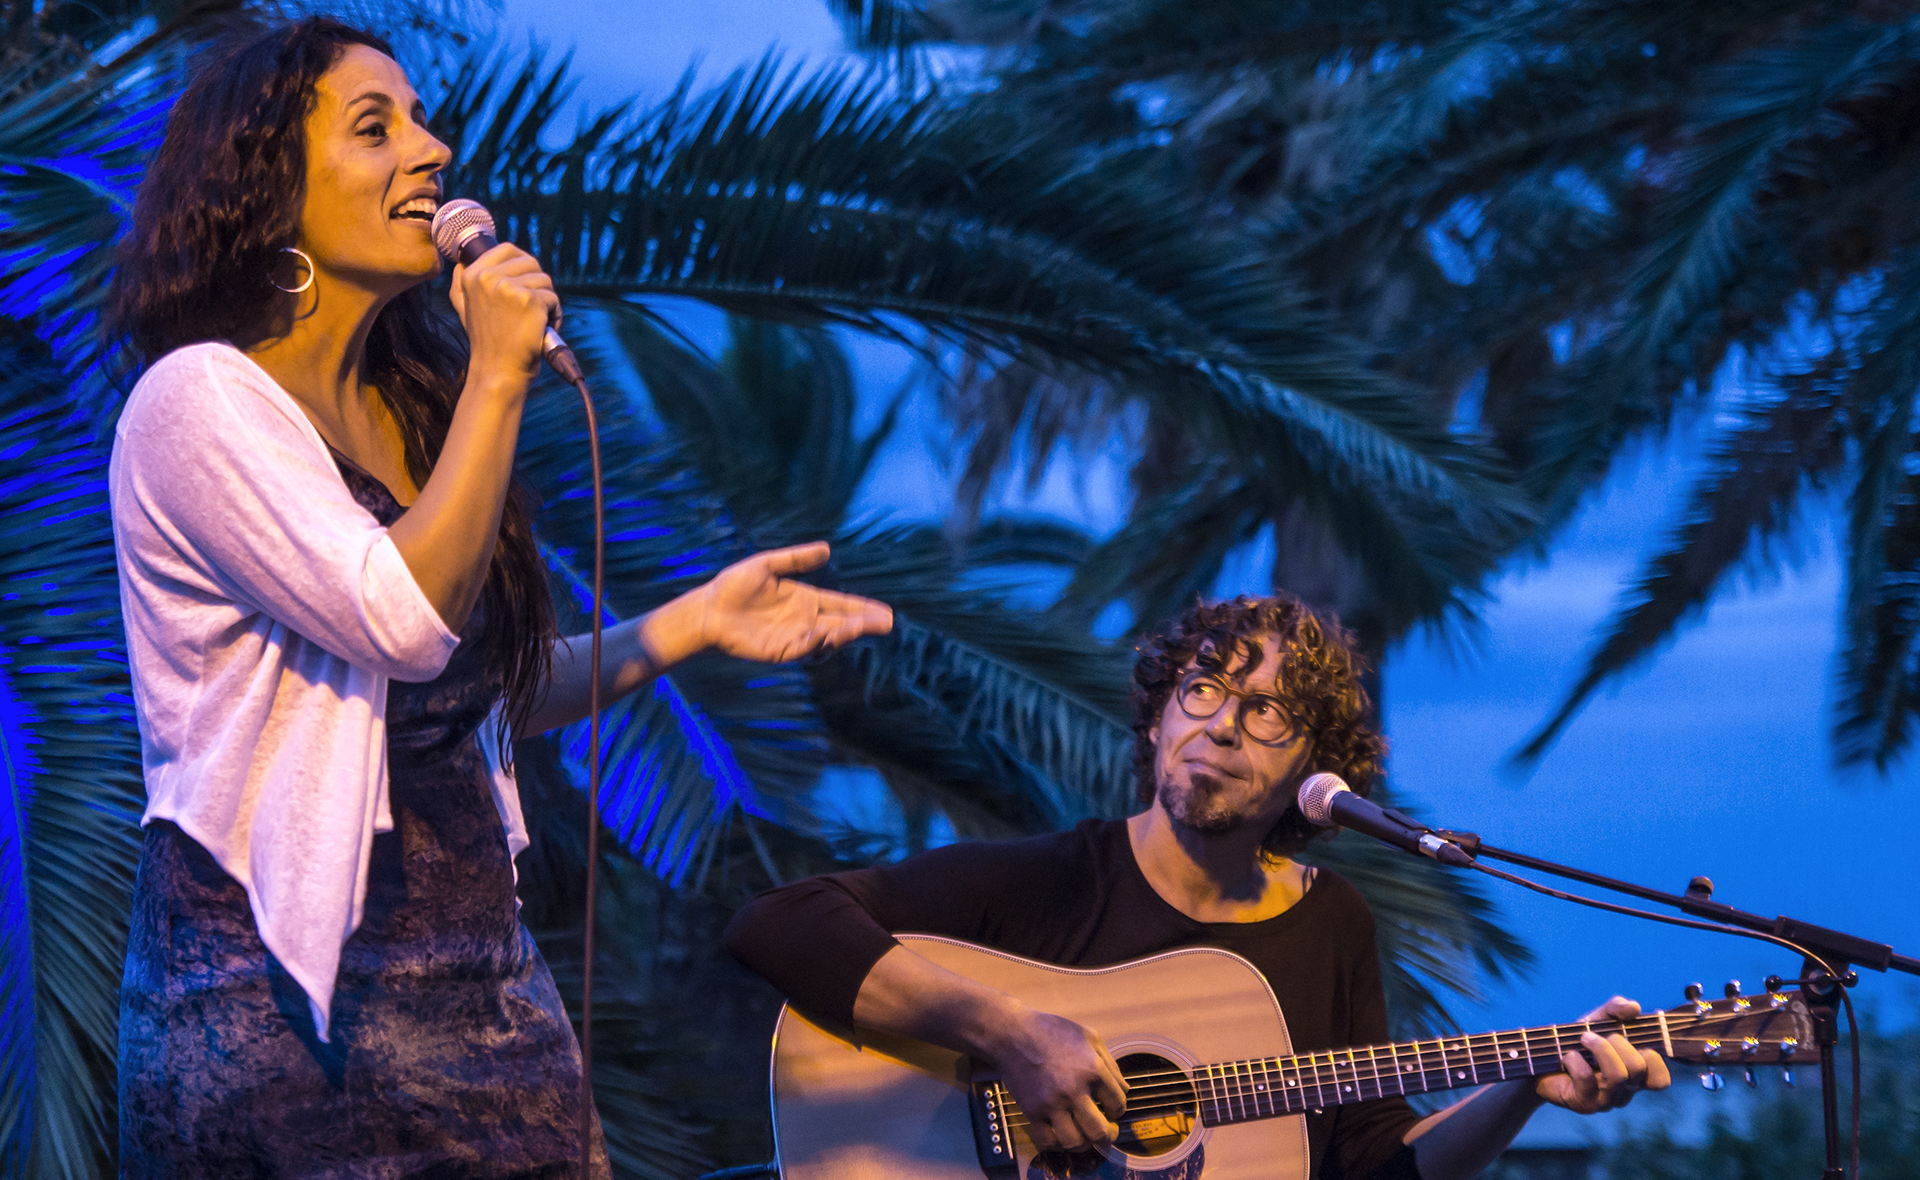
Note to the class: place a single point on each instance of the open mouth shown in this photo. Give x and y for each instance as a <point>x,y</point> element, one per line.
<point>420,209</point>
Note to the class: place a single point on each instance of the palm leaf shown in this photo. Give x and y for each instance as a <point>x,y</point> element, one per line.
<point>1746,499</point>
<point>824,197</point>
<point>1750,116</point>
<point>73,766</point>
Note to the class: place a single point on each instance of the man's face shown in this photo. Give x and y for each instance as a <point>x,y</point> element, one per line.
<point>1209,775</point>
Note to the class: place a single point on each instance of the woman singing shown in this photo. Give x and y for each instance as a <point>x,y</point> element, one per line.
<point>337,619</point>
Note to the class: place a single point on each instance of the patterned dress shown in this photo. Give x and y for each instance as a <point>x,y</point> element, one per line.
<point>450,1053</point>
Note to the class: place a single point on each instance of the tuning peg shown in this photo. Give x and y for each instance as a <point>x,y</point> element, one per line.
<point>1773,983</point>
<point>1732,989</point>
<point>1750,1082</point>
<point>1695,991</point>
<point>1786,1075</point>
<point>1711,1080</point>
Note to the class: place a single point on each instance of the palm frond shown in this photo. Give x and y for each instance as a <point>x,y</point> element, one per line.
<point>1742,134</point>
<point>1881,618</point>
<point>73,775</point>
<point>1437,932</point>
<point>1747,497</point>
<point>826,197</point>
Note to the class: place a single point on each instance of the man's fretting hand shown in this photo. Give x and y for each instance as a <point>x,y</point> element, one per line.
<point>756,610</point>
<point>1066,1083</point>
<point>1624,1070</point>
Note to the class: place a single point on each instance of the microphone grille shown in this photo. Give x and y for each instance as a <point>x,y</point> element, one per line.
<point>456,221</point>
<point>1316,797</point>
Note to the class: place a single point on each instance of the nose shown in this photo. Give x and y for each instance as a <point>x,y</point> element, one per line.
<point>1223,728</point>
<point>431,156</point>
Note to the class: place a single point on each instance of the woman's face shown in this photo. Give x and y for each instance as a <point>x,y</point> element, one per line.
<point>373,176</point>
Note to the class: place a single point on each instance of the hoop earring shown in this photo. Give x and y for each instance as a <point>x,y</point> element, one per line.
<point>303,256</point>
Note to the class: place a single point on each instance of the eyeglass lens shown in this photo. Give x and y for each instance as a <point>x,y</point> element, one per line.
<point>1261,716</point>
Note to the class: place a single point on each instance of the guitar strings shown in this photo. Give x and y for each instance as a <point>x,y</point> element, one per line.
<point>1184,1087</point>
<point>1646,1028</point>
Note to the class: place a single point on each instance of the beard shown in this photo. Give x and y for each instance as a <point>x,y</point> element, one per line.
<point>1200,804</point>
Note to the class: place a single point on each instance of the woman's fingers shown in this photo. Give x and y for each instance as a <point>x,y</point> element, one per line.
<point>795,559</point>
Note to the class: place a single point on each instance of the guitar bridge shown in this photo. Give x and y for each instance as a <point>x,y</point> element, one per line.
<point>992,1142</point>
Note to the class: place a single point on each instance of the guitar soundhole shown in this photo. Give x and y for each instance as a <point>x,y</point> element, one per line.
<point>1162,1108</point>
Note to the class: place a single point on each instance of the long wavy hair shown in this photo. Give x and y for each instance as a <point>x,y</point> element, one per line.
<point>1319,683</point>
<point>220,200</point>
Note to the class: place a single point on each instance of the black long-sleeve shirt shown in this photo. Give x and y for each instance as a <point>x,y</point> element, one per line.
<point>1078,898</point>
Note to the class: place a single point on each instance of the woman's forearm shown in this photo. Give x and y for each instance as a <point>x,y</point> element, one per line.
<point>447,535</point>
<point>631,653</point>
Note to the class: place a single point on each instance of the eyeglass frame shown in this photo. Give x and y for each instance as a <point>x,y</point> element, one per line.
<point>1292,733</point>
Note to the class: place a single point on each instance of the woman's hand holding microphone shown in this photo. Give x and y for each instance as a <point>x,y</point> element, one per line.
<point>507,303</point>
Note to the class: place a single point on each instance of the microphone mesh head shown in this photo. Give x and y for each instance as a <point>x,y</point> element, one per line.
<point>457,221</point>
<point>1316,797</point>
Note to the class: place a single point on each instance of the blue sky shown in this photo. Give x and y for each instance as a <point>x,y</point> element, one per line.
<point>1711,760</point>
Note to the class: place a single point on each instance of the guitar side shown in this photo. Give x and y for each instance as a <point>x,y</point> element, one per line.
<point>861,1105</point>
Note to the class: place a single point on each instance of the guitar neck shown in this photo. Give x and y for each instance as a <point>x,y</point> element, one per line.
<point>1240,1091</point>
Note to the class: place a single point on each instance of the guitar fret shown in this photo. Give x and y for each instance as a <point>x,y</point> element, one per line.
<point>1257,1088</point>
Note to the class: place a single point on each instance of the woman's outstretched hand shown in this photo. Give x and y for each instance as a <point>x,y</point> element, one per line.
<point>756,610</point>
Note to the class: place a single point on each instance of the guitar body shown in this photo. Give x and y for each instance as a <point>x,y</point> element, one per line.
<point>859,1105</point>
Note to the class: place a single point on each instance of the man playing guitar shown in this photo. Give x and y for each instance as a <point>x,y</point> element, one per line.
<point>1234,704</point>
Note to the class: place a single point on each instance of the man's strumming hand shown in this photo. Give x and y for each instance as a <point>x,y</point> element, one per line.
<point>1065,1081</point>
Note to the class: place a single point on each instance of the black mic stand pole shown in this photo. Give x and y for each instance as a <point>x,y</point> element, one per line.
<point>1820,990</point>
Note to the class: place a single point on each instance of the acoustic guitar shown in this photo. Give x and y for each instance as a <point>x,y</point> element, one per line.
<point>1215,1091</point>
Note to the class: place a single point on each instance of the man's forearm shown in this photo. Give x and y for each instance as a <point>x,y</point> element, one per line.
<point>908,994</point>
<point>1462,1140</point>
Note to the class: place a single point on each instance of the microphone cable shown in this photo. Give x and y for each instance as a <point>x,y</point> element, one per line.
<point>572,370</point>
<point>462,231</point>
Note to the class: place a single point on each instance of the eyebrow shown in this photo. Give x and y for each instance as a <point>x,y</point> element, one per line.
<point>419,108</point>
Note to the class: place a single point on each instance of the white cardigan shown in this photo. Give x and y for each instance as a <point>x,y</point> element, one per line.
<point>265,612</point>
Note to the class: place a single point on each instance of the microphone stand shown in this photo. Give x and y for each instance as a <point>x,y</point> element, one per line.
<point>1820,987</point>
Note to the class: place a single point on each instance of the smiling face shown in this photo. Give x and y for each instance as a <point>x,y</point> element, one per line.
<point>373,176</point>
<point>1209,776</point>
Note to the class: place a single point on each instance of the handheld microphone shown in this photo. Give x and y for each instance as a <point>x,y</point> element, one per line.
<point>462,232</point>
<point>1327,800</point>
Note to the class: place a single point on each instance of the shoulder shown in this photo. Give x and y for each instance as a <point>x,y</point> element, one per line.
<point>1339,902</point>
<point>181,388</point>
<point>211,399</point>
<point>1022,861</point>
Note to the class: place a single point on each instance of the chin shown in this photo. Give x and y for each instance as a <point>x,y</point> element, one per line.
<point>1188,809</point>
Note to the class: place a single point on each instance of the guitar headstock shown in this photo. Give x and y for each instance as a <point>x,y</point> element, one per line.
<point>1771,1028</point>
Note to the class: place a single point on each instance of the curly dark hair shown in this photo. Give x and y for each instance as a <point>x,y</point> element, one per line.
<point>221,198</point>
<point>1319,681</point>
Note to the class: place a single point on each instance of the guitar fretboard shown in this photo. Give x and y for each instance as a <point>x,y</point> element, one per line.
<point>1237,1091</point>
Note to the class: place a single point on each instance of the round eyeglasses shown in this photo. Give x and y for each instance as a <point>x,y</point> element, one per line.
<point>1261,717</point>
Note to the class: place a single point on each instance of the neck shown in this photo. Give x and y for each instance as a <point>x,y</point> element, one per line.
<point>1212,876</point>
<point>318,350</point>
